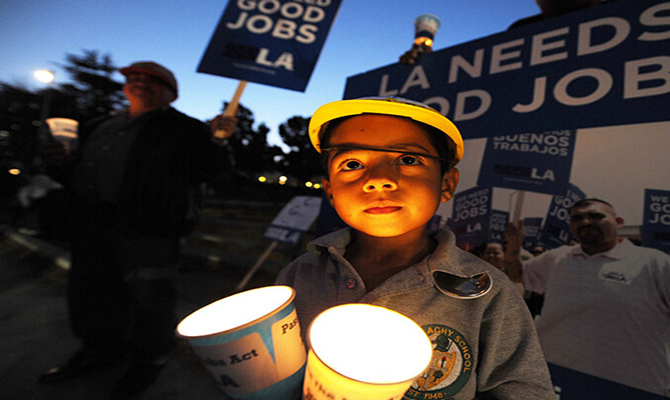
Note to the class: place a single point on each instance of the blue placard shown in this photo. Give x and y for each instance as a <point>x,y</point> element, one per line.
<point>498,226</point>
<point>602,66</point>
<point>656,220</point>
<point>535,162</point>
<point>532,226</point>
<point>272,42</point>
<point>556,231</point>
<point>574,385</point>
<point>470,216</point>
<point>294,220</point>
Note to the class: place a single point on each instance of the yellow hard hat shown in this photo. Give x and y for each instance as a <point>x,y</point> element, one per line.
<point>395,106</point>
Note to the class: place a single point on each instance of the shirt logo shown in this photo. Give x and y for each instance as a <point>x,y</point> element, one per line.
<point>450,367</point>
<point>617,277</point>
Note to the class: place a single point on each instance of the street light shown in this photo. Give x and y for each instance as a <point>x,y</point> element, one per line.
<point>44,75</point>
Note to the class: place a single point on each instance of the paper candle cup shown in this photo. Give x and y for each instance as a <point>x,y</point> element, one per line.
<point>426,25</point>
<point>364,352</point>
<point>251,344</point>
<point>64,130</point>
<point>63,127</point>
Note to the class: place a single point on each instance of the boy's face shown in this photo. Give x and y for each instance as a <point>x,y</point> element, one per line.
<point>390,192</point>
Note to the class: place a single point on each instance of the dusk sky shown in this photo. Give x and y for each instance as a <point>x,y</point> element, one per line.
<point>366,35</point>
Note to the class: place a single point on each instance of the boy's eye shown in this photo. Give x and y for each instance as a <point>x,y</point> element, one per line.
<point>407,159</point>
<point>351,165</point>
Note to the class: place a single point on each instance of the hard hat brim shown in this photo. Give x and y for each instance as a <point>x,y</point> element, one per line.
<point>384,106</point>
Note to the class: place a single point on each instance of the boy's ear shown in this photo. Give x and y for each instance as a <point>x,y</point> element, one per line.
<point>449,183</point>
<point>328,189</point>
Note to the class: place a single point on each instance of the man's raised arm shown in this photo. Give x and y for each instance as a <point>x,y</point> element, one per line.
<point>514,236</point>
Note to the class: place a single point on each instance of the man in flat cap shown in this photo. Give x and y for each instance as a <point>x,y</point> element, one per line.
<point>134,182</point>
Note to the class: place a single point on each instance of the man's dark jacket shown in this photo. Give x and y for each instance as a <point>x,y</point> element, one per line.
<point>171,156</point>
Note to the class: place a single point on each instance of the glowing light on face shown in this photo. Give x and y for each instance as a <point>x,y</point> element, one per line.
<point>384,177</point>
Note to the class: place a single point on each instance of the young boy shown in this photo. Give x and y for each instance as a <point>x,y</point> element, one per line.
<point>390,162</point>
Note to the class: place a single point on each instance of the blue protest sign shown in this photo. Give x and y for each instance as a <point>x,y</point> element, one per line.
<point>470,216</point>
<point>601,66</point>
<point>272,42</point>
<point>434,223</point>
<point>498,226</point>
<point>532,226</point>
<point>656,220</point>
<point>294,220</point>
<point>556,231</point>
<point>535,162</point>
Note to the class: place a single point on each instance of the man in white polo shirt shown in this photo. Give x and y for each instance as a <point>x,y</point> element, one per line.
<point>606,311</point>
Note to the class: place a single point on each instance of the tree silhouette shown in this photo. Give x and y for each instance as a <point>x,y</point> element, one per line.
<point>93,89</point>
<point>302,161</point>
<point>19,122</point>
<point>250,152</point>
<point>91,93</point>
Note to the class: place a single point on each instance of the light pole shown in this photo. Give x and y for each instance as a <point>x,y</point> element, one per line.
<point>48,77</point>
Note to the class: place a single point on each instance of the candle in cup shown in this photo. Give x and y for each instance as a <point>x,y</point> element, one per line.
<point>364,352</point>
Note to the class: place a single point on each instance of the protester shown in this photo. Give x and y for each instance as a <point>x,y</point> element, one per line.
<point>390,162</point>
<point>494,253</point>
<point>606,302</point>
<point>555,8</point>
<point>134,186</point>
<point>29,218</point>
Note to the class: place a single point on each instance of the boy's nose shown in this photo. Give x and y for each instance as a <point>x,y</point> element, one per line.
<point>379,179</point>
<point>378,185</point>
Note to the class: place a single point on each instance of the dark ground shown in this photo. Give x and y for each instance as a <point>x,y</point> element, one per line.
<point>34,329</point>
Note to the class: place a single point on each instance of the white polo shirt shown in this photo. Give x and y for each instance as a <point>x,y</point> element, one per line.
<point>608,314</point>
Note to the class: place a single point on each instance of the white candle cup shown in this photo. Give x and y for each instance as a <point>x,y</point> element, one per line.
<point>65,131</point>
<point>251,344</point>
<point>364,352</point>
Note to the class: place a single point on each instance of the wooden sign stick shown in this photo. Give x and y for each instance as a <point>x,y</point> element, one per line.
<point>231,110</point>
<point>250,274</point>
<point>516,215</point>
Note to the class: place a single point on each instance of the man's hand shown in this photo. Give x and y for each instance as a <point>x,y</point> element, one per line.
<point>56,153</point>
<point>514,236</point>
<point>222,127</point>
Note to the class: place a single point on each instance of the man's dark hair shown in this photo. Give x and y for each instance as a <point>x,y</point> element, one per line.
<point>439,140</point>
<point>586,202</point>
